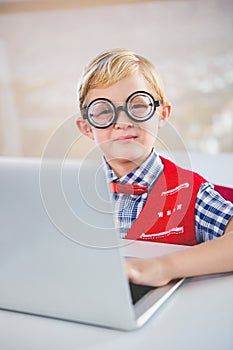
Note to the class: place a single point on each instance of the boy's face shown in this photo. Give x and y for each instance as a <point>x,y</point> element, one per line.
<point>125,144</point>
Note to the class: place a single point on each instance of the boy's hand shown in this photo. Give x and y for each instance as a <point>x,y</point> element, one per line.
<point>214,256</point>
<point>151,272</point>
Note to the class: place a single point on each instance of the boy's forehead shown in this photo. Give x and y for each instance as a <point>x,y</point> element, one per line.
<point>119,91</point>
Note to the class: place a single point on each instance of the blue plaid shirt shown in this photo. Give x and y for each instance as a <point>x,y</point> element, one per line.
<point>212,212</point>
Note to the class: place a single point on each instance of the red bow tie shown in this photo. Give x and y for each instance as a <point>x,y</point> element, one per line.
<point>118,187</point>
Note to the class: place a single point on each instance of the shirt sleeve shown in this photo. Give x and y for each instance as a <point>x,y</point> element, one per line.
<point>212,213</point>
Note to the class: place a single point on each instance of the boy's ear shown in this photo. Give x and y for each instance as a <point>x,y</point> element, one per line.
<point>85,128</point>
<point>165,114</point>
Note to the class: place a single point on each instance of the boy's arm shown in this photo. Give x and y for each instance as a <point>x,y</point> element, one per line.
<point>214,256</point>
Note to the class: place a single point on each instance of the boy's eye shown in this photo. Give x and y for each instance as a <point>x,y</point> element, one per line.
<point>140,110</point>
<point>103,112</point>
<point>100,108</point>
<point>139,105</point>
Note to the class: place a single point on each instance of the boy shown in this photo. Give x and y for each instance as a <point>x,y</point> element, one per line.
<point>123,106</point>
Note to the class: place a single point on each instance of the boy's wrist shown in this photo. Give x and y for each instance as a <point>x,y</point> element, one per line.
<point>168,266</point>
<point>159,272</point>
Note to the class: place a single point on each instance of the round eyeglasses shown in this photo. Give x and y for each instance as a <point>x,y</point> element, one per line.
<point>102,113</point>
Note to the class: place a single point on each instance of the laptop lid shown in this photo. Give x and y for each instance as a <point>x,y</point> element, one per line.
<point>60,255</point>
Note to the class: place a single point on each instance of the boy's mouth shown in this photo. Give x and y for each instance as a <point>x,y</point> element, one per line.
<point>126,138</point>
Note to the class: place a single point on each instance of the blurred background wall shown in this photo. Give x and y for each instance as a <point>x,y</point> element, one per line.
<point>45,45</point>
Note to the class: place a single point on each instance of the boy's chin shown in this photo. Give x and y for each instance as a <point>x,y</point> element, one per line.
<point>136,156</point>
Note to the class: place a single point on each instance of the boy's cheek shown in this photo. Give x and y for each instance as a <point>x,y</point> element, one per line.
<point>100,137</point>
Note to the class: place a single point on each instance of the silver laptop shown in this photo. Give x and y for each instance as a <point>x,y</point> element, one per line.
<point>60,254</point>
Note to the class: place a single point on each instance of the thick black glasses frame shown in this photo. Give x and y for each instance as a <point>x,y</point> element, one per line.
<point>116,110</point>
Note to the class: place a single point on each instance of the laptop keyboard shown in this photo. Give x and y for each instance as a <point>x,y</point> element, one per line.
<point>138,291</point>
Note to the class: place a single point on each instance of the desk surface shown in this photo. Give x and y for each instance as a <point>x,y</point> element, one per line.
<point>199,315</point>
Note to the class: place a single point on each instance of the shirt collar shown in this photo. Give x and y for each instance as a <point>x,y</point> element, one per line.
<point>146,174</point>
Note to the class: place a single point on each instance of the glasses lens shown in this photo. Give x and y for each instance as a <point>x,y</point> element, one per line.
<point>100,113</point>
<point>141,106</point>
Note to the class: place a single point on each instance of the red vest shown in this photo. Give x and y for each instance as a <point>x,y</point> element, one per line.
<point>168,214</point>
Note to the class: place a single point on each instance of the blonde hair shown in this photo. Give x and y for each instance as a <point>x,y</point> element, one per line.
<point>114,65</point>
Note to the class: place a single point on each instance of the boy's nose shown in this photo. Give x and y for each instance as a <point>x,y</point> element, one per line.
<point>123,121</point>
